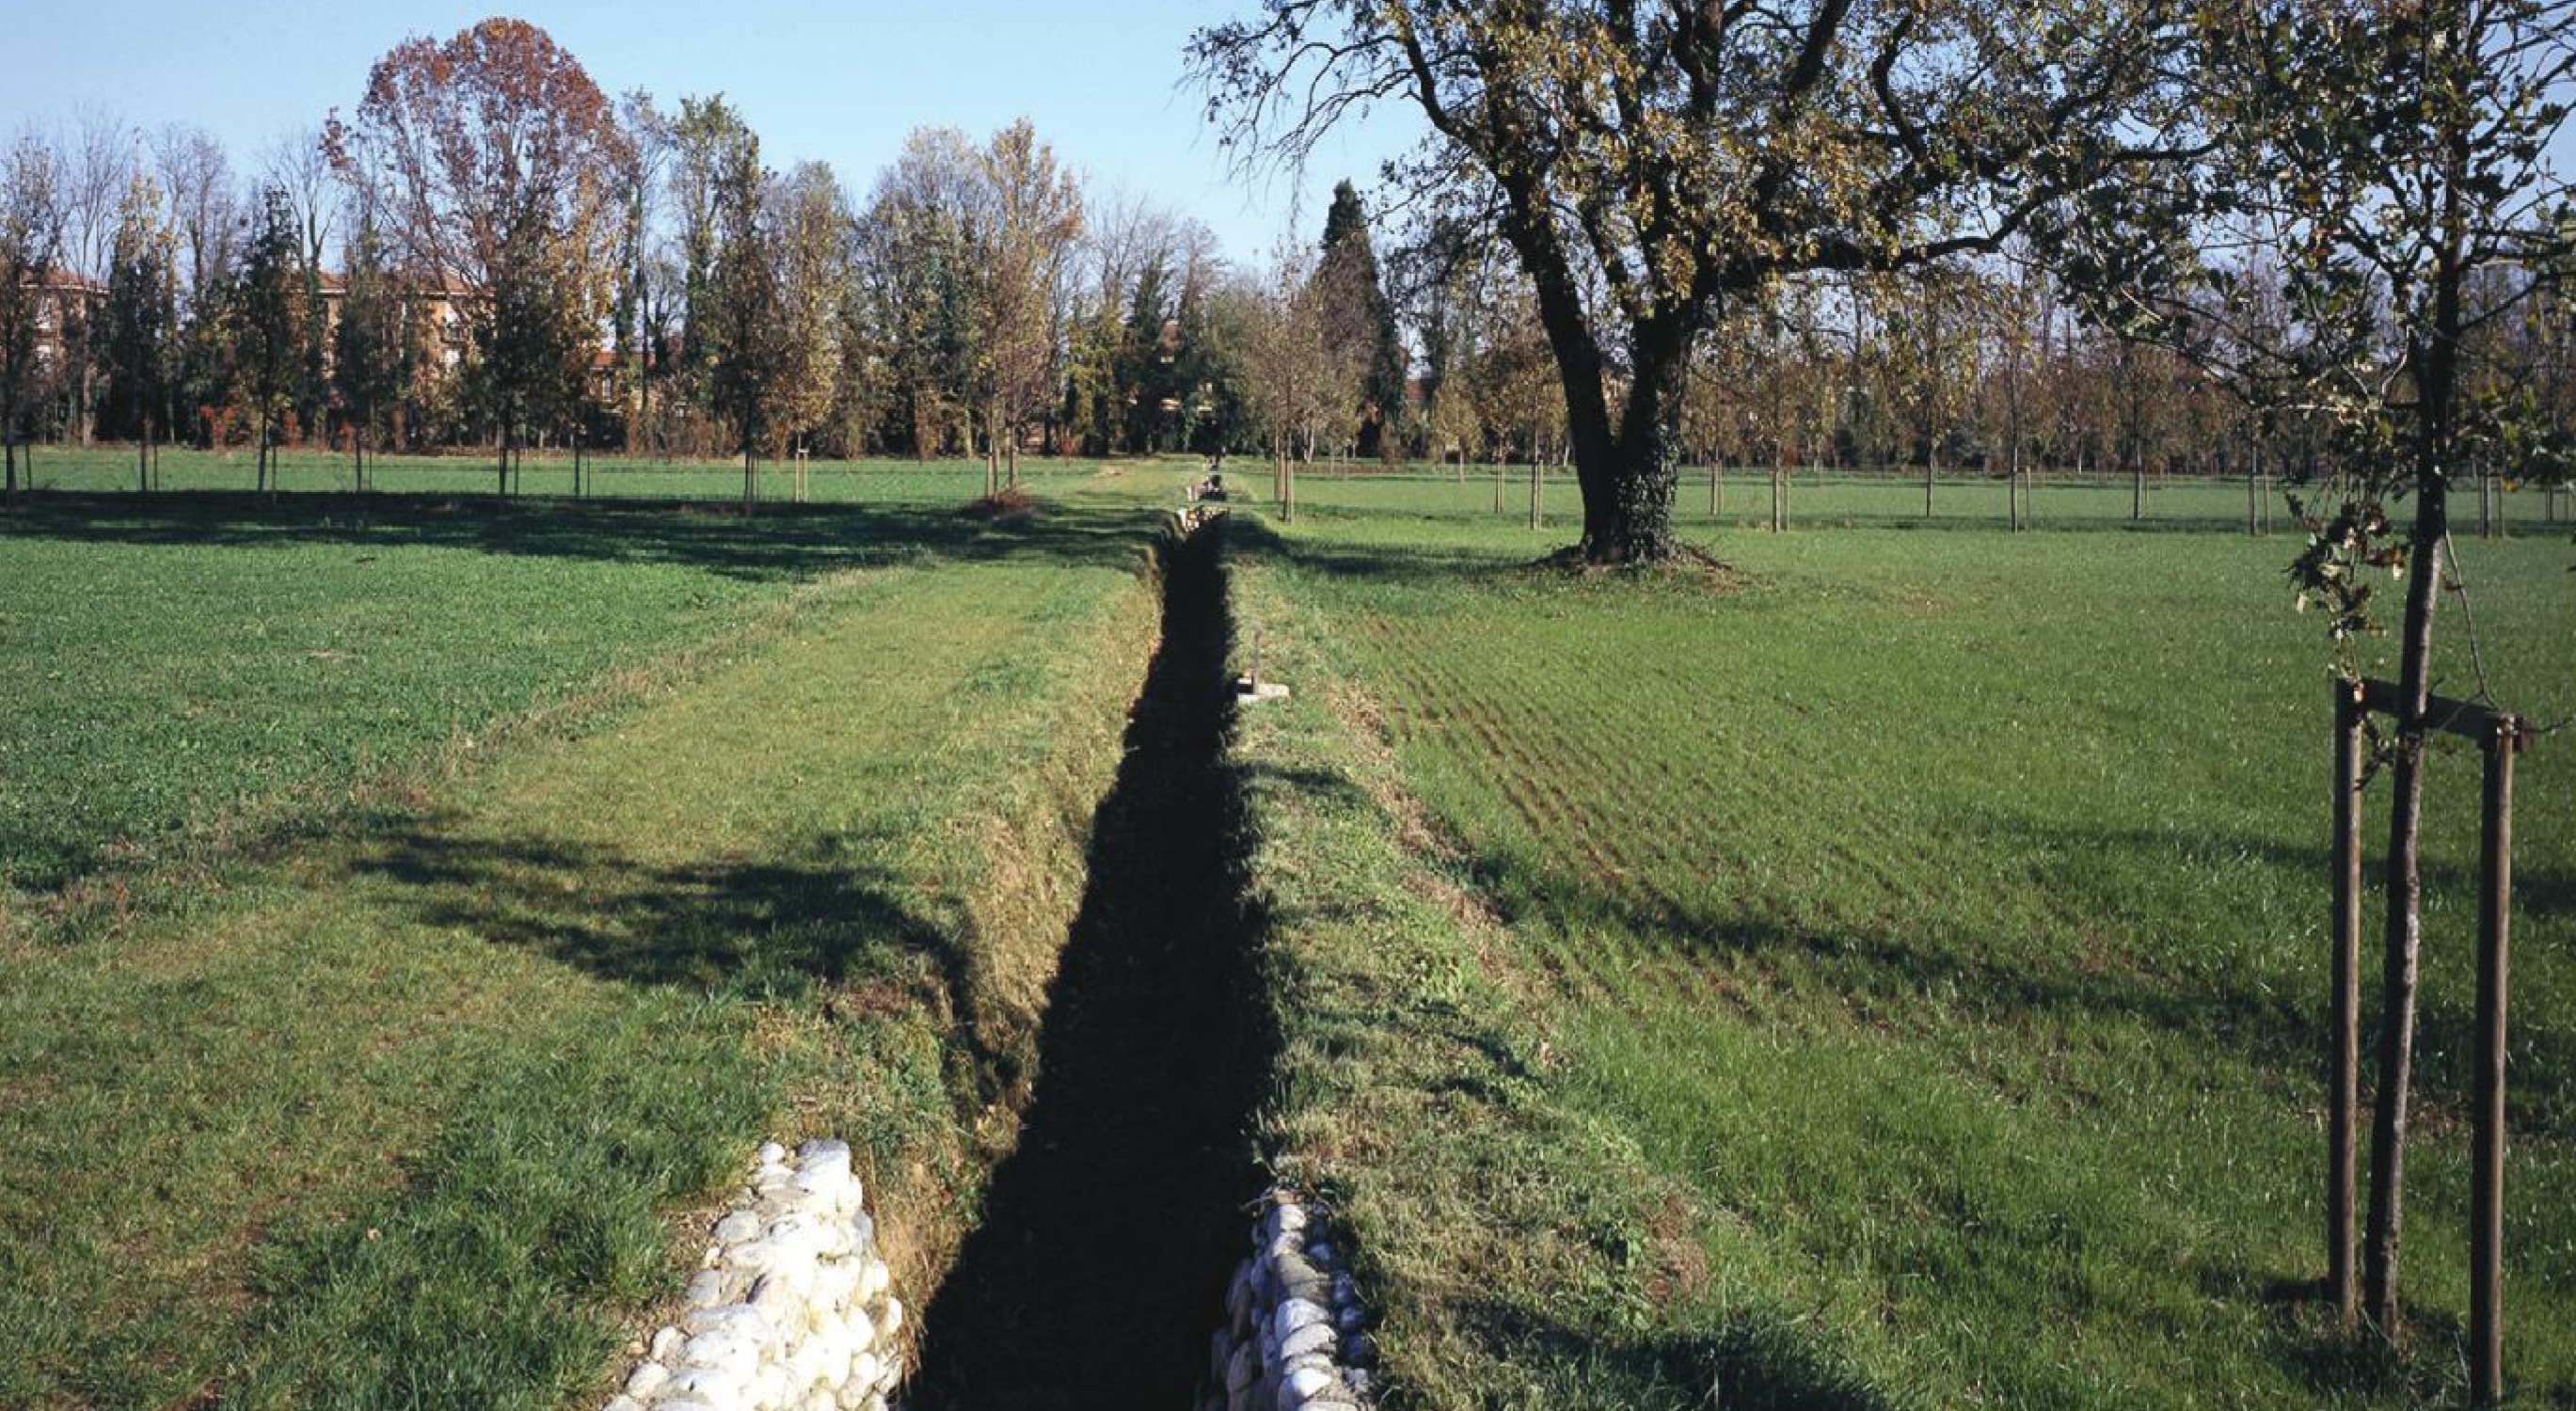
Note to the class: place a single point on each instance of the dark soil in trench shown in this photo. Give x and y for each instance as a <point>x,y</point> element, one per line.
<point>1095,1276</point>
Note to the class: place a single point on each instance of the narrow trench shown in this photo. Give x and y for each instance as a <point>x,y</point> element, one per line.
<point>1095,1275</point>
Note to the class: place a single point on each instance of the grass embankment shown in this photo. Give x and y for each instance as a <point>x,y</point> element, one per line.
<point>394,1106</point>
<point>1892,976</point>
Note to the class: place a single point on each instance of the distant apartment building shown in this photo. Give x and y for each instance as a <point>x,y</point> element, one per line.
<point>439,315</point>
<point>61,296</point>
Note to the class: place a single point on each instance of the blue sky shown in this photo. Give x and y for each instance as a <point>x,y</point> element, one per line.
<point>837,80</point>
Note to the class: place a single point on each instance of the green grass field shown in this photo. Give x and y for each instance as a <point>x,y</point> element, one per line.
<point>596,846</point>
<point>1892,974</point>
<point>207,654</point>
<point>1884,973</point>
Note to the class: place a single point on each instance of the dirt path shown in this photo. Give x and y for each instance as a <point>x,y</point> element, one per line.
<point>1094,1277</point>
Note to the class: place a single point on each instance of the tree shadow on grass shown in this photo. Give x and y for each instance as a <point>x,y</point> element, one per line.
<point>818,916</point>
<point>1386,563</point>
<point>778,542</point>
<point>1881,965</point>
<point>2301,1332</point>
<point>1754,1360</point>
<point>1894,976</point>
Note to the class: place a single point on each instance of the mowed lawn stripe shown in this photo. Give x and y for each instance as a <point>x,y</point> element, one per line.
<point>395,1119</point>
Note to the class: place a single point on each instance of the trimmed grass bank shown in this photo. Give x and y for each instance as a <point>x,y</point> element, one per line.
<point>405,1104</point>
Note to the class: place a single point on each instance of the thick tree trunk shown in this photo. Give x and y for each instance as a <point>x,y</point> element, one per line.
<point>1629,480</point>
<point>1628,501</point>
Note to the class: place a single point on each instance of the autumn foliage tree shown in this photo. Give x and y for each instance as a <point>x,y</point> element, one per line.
<point>1304,383</point>
<point>1030,214</point>
<point>810,235</point>
<point>267,330</point>
<point>919,279</point>
<point>493,157</point>
<point>372,343</point>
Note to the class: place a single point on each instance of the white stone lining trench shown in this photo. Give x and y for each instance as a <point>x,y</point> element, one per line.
<point>791,1311</point>
<point>1295,1332</point>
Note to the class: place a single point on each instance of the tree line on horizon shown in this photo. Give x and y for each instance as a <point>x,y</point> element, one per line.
<point>490,252</point>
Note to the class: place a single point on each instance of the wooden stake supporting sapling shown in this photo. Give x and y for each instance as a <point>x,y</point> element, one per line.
<point>2505,738</point>
<point>2343,1083</point>
<point>2501,735</point>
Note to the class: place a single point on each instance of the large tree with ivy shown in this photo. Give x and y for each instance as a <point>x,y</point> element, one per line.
<point>1651,163</point>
